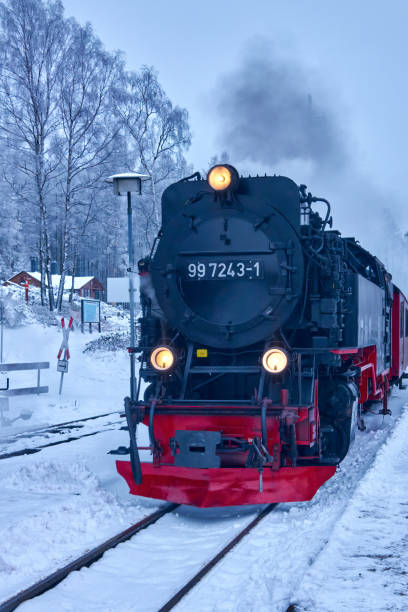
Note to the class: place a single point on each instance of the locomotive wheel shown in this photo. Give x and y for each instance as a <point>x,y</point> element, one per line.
<point>337,414</point>
<point>335,438</point>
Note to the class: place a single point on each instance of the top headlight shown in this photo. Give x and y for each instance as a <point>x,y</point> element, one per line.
<point>223,177</point>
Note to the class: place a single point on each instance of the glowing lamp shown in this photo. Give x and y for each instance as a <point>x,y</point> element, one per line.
<point>162,358</point>
<point>223,177</point>
<point>274,361</point>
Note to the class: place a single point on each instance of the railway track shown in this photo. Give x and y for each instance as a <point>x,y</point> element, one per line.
<point>171,603</point>
<point>86,560</point>
<point>54,428</point>
<point>58,430</point>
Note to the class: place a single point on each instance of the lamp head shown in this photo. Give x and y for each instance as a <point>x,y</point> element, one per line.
<point>127,182</point>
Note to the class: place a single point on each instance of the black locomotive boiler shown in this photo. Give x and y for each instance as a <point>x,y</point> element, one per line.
<point>264,334</point>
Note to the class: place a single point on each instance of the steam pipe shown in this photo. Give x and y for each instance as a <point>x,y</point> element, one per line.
<point>151,425</point>
<point>134,453</point>
<point>263,427</point>
<point>293,444</point>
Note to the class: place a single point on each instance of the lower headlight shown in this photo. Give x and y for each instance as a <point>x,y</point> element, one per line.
<point>162,358</point>
<point>274,360</point>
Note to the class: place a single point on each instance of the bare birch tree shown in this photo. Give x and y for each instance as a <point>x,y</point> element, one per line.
<point>33,41</point>
<point>159,133</point>
<point>88,128</point>
<point>69,116</point>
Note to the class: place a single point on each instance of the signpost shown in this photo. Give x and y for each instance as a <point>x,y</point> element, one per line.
<point>62,365</point>
<point>90,313</point>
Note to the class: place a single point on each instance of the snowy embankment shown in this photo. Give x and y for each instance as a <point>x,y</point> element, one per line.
<point>263,573</point>
<point>59,503</point>
<point>96,382</point>
<point>365,564</point>
<point>66,499</point>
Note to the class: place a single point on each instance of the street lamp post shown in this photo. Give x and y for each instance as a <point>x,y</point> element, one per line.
<point>128,183</point>
<point>131,298</point>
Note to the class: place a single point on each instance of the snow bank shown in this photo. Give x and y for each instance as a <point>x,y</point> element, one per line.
<point>96,382</point>
<point>108,342</point>
<point>365,564</point>
<point>51,477</point>
<point>54,512</point>
<point>263,572</point>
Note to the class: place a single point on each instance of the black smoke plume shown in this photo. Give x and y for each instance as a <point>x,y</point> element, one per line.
<point>268,112</point>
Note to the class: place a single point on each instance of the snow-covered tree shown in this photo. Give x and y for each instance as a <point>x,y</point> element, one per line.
<point>33,42</point>
<point>71,115</point>
<point>158,134</point>
<point>88,130</point>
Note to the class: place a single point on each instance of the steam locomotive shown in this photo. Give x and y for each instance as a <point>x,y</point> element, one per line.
<point>264,336</point>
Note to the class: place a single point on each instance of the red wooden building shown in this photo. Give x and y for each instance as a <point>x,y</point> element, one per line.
<point>84,286</point>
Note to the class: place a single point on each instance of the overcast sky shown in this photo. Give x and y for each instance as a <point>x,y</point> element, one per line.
<point>348,59</point>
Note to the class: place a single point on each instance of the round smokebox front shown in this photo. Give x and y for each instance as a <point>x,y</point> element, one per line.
<point>229,280</point>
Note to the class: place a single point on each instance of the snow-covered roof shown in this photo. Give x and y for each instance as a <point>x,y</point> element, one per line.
<point>79,281</point>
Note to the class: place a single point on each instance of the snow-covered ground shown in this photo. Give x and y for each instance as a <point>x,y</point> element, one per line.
<point>345,547</point>
<point>34,439</point>
<point>68,498</point>
<point>95,383</point>
<point>59,503</point>
<point>65,509</point>
<point>143,573</point>
<point>365,564</point>
<point>264,571</point>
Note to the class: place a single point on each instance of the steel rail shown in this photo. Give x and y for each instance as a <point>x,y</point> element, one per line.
<point>49,428</point>
<point>85,560</point>
<point>209,566</point>
<point>36,449</point>
<point>53,429</point>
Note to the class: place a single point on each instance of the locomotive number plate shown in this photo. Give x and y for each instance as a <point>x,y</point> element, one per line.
<point>251,269</point>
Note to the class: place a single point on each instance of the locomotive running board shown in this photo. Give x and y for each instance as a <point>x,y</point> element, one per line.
<point>226,486</point>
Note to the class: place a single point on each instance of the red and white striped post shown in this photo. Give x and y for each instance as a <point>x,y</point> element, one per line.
<point>63,353</point>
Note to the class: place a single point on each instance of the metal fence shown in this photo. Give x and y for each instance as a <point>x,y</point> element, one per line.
<point>6,392</point>
<point>14,367</point>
